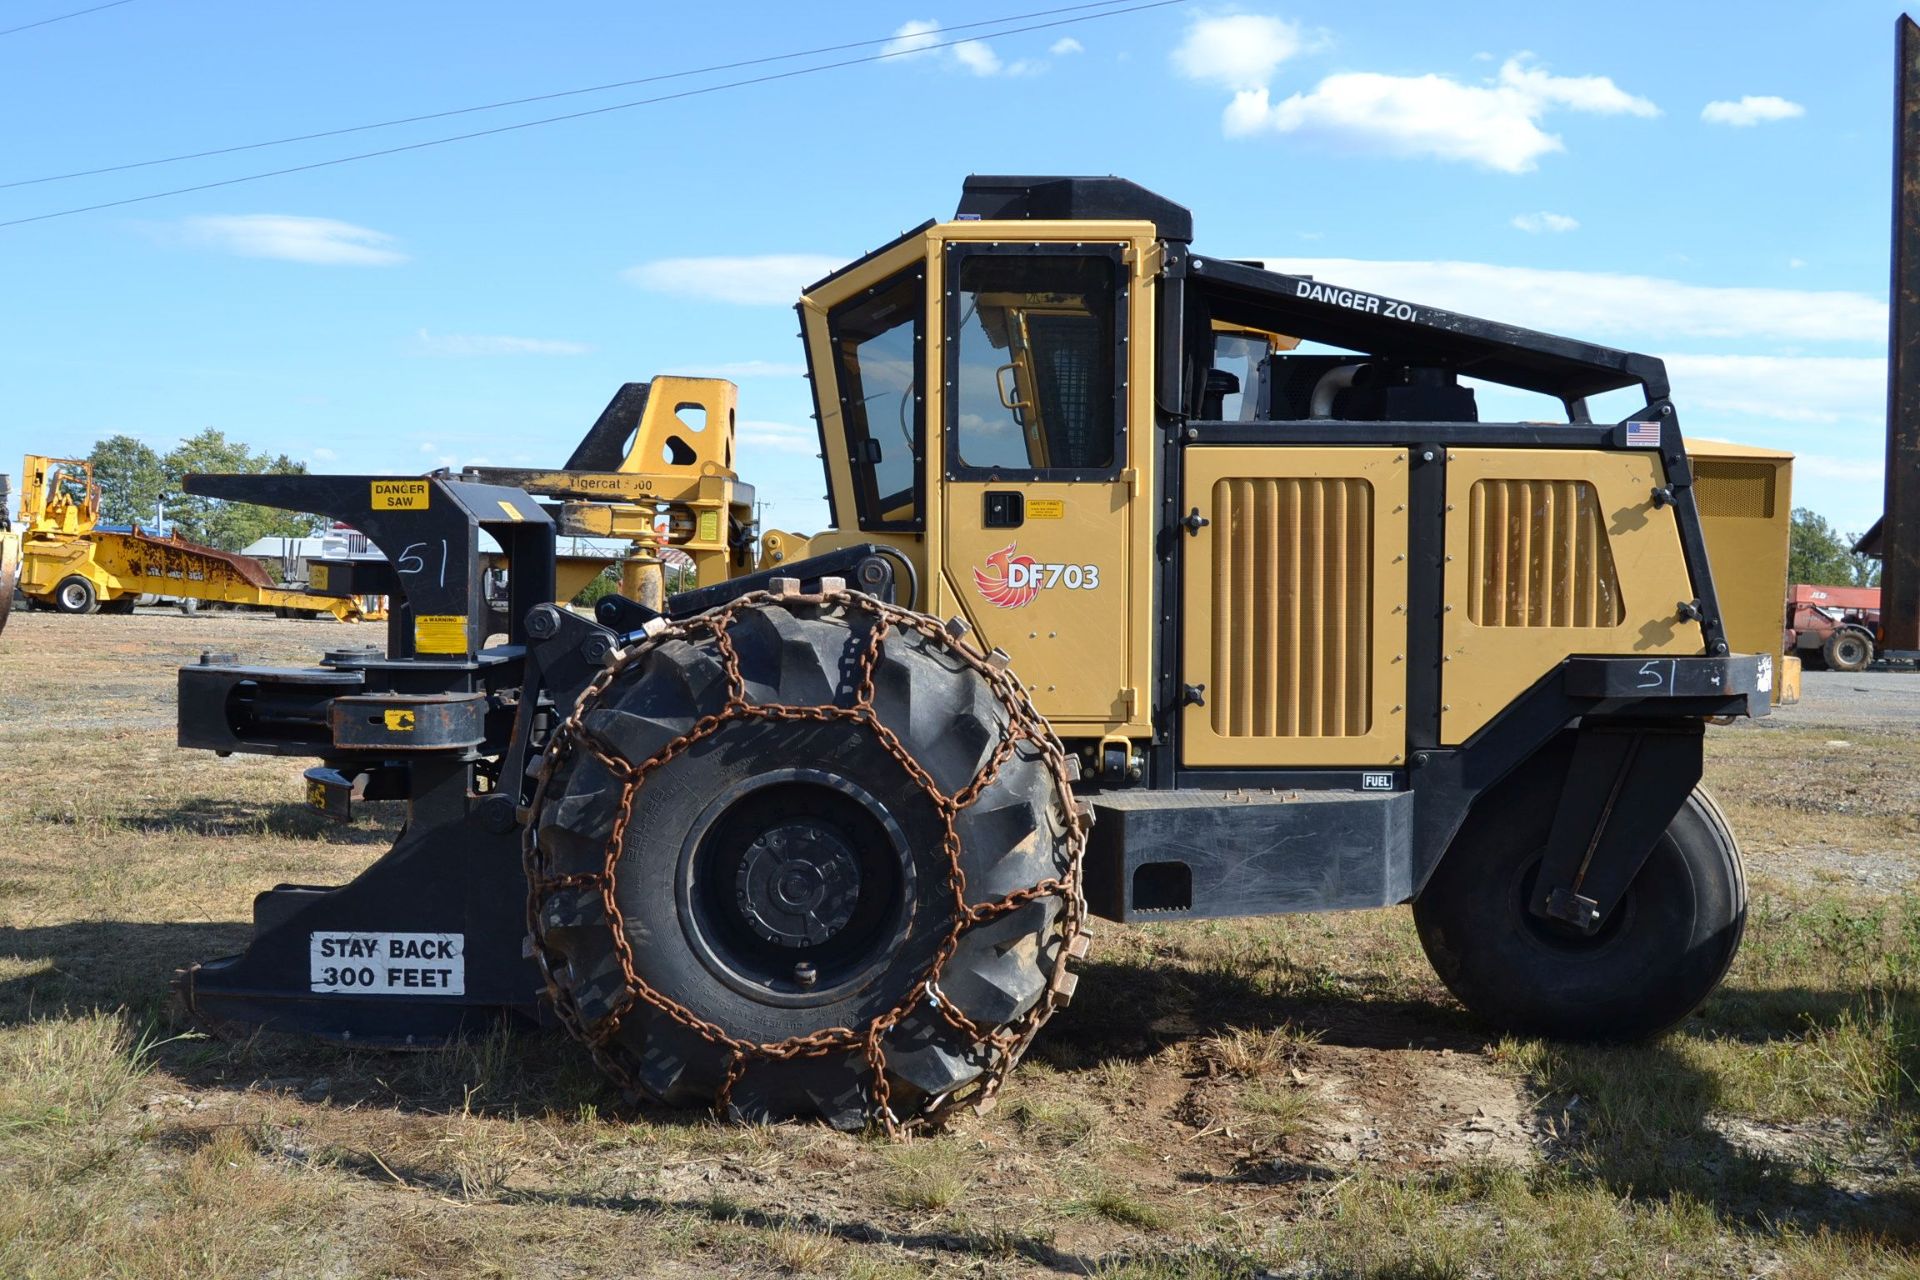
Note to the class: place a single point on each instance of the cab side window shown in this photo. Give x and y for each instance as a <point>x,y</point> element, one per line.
<point>876,340</point>
<point>1034,342</point>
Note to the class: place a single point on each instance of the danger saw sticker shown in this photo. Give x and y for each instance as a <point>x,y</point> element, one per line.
<point>389,964</point>
<point>398,495</point>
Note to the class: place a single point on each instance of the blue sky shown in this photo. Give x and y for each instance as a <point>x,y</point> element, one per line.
<point>1705,182</point>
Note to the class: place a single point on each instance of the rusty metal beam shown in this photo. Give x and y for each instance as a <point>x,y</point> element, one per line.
<point>1900,540</point>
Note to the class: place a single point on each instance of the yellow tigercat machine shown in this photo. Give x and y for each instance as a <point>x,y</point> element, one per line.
<point>1160,587</point>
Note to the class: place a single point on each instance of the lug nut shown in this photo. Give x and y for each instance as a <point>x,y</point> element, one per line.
<point>803,973</point>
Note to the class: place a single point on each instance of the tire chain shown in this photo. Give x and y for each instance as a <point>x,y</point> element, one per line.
<point>1005,1045</point>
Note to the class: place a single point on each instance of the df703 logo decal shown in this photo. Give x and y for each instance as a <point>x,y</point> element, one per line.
<point>1011,582</point>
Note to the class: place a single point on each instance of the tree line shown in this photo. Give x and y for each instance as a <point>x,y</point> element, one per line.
<point>1820,555</point>
<point>139,484</point>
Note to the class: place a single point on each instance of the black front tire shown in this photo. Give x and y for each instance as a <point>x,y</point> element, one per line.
<point>1661,952</point>
<point>1848,651</point>
<point>723,830</point>
<point>74,594</point>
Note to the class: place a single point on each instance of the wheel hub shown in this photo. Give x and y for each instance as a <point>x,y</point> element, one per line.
<point>796,887</point>
<point>798,884</point>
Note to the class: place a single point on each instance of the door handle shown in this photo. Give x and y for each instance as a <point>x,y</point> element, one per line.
<point>1010,400</point>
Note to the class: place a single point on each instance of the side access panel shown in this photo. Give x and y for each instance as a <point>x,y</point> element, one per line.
<point>1552,553</point>
<point>1294,606</point>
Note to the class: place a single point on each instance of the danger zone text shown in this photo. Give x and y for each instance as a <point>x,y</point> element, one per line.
<point>1353,298</point>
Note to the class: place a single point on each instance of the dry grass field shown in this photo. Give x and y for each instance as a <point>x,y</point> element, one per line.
<point>1293,1097</point>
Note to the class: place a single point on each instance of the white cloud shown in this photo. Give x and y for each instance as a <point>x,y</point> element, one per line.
<point>1237,51</point>
<point>918,37</point>
<point>1598,95</point>
<point>320,453</point>
<point>1495,125</point>
<point>1796,263</point>
<point>1535,223</point>
<point>322,241</point>
<point>912,37</point>
<point>741,369</point>
<point>1611,306</point>
<point>777,437</point>
<point>1065,45</point>
<point>475,344</point>
<point>1807,389</point>
<point>978,57</point>
<point>772,279</point>
<point>1750,111</point>
<point>1870,473</point>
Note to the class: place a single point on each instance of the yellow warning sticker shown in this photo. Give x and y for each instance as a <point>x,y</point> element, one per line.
<point>513,512</point>
<point>399,495</point>
<point>398,721</point>
<point>317,794</point>
<point>440,633</point>
<point>709,526</point>
<point>1046,509</point>
<point>317,577</point>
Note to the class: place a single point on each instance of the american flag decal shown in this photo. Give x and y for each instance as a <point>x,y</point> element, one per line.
<point>1643,435</point>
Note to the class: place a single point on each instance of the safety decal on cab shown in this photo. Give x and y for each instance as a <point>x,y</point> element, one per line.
<point>1014,581</point>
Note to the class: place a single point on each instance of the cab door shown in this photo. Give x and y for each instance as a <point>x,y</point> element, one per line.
<point>1042,518</point>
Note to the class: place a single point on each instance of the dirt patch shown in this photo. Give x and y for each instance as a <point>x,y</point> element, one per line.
<point>1417,1109</point>
<point>1853,1161</point>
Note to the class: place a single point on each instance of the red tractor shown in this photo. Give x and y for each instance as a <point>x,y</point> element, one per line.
<point>1838,625</point>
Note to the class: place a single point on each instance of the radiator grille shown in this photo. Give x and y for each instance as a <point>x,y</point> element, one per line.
<point>1725,488</point>
<point>1539,556</point>
<point>1292,608</point>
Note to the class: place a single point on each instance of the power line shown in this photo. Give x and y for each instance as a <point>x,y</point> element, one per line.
<point>546,97</point>
<point>578,115</point>
<point>62,17</point>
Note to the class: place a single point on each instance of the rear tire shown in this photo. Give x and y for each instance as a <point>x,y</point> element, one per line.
<point>787,878</point>
<point>74,594</point>
<point>1663,950</point>
<point>1848,651</point>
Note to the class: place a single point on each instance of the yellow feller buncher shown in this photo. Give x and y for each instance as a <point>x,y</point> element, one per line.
<point>67,562</point>
<point>1133,607</point>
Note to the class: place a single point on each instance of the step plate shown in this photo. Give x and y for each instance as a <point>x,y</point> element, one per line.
<point>1170,855</point>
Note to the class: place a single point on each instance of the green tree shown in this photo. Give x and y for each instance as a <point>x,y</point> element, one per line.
<point>229,526</point>
<point>132,479</point>
<point>605,584</point>
<point>1818,553</point>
